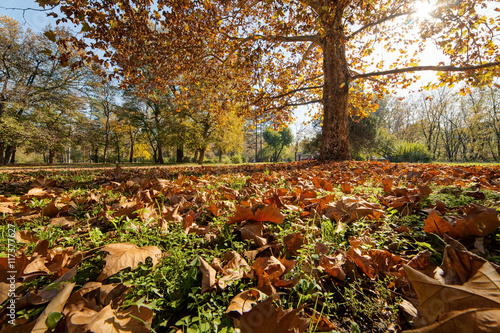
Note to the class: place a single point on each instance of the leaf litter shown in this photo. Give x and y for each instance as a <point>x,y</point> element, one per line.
<point>299,247</point>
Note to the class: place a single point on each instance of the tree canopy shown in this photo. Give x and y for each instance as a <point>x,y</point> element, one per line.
<point>278,140</point>
<point>291,52</point>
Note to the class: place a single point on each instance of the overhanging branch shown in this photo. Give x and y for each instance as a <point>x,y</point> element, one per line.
<point>382,20</point>
<point>294,104</point>
<point>296,90</point>
<point>286,93</point>
<point>426,68</point>
<point>286,39</point>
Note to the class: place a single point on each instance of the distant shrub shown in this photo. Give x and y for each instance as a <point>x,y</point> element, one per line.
<point>226,159</point>
<point>411,152</point>
<point>358,156</point>
<point>236,159</point>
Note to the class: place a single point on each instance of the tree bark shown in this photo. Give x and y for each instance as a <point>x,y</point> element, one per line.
<point>2,144</point>
<point>2,149</point>
<point>13,156</point>
<point>335,131</point>
<point>8,154</point>
<point>106,142</point>
<point>52,155</point>
<point>160,154</point>
<point>131,154</point>
<point>202,155</point>
<point>179,154</point>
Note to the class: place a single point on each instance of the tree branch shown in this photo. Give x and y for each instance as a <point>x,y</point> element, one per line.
<point>294,104</point>
<point>286,39</point>
<point>286,93</point>
<point>295,90</point>
<point>425,68</point>
<point>306,54</point>
<point>382,20</point>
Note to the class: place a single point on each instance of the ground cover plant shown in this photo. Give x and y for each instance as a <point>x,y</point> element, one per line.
<point>297,247</point>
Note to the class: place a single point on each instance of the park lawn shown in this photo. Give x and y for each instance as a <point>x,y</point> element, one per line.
<point>350,246</point>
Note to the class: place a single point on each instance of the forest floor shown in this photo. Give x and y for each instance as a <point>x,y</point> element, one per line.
<point>302,247</point>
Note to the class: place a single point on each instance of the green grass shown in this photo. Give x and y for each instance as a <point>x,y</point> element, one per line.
<point>172,288</point>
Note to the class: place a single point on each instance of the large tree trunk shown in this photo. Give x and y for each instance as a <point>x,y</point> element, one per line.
<point>131,154</point>
<point>335,134</point>
<point>13,156</point>
<point>52,155</point>
<point>179,154</point>
<point>2,149</point>
<point>9,151</point>
<point>202,155</point>
<point>160,154</point>
<point>105,153</point>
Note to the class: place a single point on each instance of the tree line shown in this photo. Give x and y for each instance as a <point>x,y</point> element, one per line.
<point>50,108</point>
<point>65,113</point>
<point>438,125</point>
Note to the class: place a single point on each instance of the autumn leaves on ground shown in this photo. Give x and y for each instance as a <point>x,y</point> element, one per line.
<point>301,247</point>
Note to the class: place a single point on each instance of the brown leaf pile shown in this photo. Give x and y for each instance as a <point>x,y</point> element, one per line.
<point>462,291</point>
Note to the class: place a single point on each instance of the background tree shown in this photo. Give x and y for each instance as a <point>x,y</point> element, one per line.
<point>30,76</point>
<point>277,140</point>
<point>103,104</point>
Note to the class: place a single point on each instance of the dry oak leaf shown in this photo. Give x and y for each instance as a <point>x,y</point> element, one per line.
<point>41,182</point>
<point>423,263</point>
<point>108,320</point>
<point>46,294</point>
<point>269,213</point>
<point>268,269</point>
<point>173,215</point>
<point>243,302</point>
<point>253,232</point>
<point>208,276</point>
<point>478,221</point>
<point>236,267</point>
<point>458,265</point>
<point>124,255</point>
<point>64,222</point>
<point>387,182</point>
<point>434,223</point>
<point>363,261</point>
<point>321,183</point>
<point>445,306</point>
<point>26,236</point>
<point>487,320</point>
<point>51,209</point>
<point>265,317</point>
<point>5,207</point>
<point>334,265</point>
<point>95,296</point>
<point>294,242</point>
<point>349,209</point>
<point>55,305</point>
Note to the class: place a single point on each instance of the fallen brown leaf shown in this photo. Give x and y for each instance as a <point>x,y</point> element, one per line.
<point>265,317</point>
<point>126,255</point>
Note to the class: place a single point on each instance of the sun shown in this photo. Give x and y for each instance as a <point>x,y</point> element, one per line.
<point>423,9</point>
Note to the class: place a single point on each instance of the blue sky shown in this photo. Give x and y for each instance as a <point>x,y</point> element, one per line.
<point>36,20</point>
